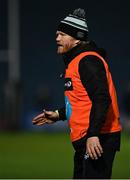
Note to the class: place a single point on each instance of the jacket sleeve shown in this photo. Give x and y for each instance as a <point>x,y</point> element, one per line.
<point>93,77</point>
<point>62,114</point>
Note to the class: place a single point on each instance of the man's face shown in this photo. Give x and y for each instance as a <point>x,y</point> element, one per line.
<point>64,42</point>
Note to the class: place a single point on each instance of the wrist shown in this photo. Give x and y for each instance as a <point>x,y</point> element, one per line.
<point>57,114</point>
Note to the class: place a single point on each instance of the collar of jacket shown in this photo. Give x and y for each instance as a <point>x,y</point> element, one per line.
<point>89,46</point>
<point>67,57</point>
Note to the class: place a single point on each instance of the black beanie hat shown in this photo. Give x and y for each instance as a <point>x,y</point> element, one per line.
<point>75,25</point>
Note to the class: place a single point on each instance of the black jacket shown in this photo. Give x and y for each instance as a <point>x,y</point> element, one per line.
<point>93,77</point>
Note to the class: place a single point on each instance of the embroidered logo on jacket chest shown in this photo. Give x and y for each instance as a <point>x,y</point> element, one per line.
<point>68,84</point>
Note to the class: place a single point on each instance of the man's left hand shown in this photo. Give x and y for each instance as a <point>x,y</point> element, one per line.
<point>93,147</point>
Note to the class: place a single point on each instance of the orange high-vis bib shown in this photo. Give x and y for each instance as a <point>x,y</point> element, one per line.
<point>78,103</point>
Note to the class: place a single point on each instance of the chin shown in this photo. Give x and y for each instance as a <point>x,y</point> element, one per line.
<point>60,52</point>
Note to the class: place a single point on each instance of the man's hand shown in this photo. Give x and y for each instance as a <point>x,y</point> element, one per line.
<point>93,147</point>
<point>48,117</point>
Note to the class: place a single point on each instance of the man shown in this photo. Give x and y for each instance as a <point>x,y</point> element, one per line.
<point>90,100</point>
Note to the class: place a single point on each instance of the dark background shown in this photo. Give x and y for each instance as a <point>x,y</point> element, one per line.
<point>40,67</point>
<point>23,153</point>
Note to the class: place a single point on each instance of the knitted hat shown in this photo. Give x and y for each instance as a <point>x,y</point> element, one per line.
<point>75,25</point>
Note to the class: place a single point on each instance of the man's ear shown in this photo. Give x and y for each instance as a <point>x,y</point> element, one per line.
<point>77,41</point>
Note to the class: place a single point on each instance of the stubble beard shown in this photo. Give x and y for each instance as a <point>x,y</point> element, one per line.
<point>60,50</point>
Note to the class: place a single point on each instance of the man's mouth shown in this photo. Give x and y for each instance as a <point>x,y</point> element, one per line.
<point>59,45</point>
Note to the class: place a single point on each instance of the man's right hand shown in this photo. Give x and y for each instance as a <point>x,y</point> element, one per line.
<point>47,117</point>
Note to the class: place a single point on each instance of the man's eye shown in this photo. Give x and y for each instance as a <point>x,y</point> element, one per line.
<point>63,34</point>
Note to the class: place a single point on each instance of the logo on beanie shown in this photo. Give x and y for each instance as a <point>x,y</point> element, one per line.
<point>80,34</point>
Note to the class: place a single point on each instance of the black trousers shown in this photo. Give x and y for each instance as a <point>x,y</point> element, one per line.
<point>94,169</point>
<point>86,168</point>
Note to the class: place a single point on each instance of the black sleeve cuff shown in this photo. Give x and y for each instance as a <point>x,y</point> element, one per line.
<point>62,114</point>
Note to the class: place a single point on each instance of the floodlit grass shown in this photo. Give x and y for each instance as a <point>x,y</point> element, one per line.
<point>121,167</point>
<point>48,155</point>
<point>37,155</point>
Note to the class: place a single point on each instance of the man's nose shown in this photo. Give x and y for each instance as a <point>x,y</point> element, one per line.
<point>58,38</point>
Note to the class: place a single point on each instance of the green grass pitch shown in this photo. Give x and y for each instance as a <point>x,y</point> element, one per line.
<point>48,155</point>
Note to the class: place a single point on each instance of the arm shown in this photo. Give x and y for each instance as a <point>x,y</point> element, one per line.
<point>49,117</point>
<point>62,113</point>
<point>93,77</point>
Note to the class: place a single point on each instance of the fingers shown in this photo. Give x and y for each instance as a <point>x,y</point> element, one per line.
<point>48,117</point>
<point>40,116</point>
<point>94,148</point>
<point>94,151</point>
<point>39,121</point>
